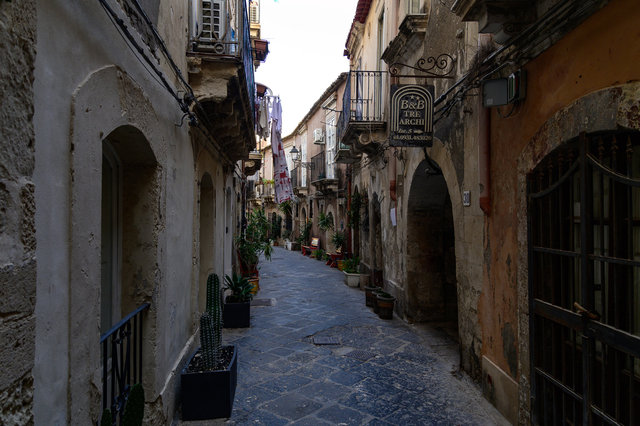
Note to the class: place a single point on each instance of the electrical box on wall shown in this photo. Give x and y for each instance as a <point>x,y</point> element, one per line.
<point>503,91</point>
<point>495,92</point>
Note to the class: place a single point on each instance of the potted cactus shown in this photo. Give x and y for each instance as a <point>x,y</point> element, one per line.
<point>209,379</point>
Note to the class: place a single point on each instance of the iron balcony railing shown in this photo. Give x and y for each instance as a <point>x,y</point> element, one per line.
<point>266,190</point>
<point>363,99</point>
<point>318,168</point>
<point>121,362</point>
<point>223,31</point>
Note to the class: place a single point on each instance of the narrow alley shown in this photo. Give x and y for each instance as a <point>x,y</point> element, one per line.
<point>375,372</point>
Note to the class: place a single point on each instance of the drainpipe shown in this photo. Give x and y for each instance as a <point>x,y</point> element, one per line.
<point>348,230</point>
<point>484,145</point>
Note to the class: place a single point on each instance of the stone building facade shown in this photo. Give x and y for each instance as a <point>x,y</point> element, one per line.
<point>17,211</point>
<point>123,136</point>
<point>476,229</point>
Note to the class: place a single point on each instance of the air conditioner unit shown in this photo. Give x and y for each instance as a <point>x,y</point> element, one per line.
<point>318,136</point>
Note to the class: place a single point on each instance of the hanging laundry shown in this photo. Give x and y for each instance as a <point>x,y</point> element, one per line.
<point>281,179</point>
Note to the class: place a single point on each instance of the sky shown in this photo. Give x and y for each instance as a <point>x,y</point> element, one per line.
<point>306,51</point>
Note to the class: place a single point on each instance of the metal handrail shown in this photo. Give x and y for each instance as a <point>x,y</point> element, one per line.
<point>121,361</point>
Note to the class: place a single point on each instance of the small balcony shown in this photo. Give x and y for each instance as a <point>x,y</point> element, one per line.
<point>346,155</point>
<point>295,179</point>
<point>221,72</point>
<point>321,177</point>
<point>253,163</point>
<point>266,191</point>
<point>362,120</point>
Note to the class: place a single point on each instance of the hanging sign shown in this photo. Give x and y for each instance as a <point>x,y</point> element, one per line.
<point>411,115</point>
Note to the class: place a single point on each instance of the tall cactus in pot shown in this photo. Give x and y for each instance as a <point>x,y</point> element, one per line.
<point>211,324</point>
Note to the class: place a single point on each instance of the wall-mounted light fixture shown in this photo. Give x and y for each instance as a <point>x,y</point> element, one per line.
<point>297,160</point>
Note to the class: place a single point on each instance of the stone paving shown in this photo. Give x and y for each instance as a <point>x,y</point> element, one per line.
<point>380,372</point>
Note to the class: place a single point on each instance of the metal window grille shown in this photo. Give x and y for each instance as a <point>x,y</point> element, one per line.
<point>584,281</point>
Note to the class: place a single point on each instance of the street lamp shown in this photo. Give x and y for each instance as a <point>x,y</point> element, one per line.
<point>295,157</point>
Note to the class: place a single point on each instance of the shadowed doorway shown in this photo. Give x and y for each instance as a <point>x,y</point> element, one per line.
<point>431,277</point>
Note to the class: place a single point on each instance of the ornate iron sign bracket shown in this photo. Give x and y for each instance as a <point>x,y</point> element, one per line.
<point>436,67</point>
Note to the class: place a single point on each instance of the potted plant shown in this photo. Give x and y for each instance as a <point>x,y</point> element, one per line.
<point>338,240</point>
<point>319,254</point>
<point>350,269</point>
<point>325,222</point>
<point>369,295</point>
<point>208,381</point>
<point>253,242</point>
<point>236,312</point>
<point>385,303</point>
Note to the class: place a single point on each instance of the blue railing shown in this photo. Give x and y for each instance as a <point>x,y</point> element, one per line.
<point>121,362</point>
<point>247,57</point>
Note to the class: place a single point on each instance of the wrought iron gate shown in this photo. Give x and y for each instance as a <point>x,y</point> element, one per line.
<point>584,282</point>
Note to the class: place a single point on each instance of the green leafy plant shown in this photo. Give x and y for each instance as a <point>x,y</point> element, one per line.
<point>325,222</point>
<point>339,240</point>
<point>319,254</point>
<point>211,325</point>
<point>240,288</point>
<point>351,265</point>
<point>255,241</point>
<point>107,418</point>
<point>134,408</point>
<point>305,233</point>
<point>286,207</point>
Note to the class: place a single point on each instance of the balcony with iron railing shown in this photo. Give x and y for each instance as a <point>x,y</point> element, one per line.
<point>122,364</point>
<point>362,117</point>
<point>295,179</point>
<point>221,72</point>
<point>323,174</point>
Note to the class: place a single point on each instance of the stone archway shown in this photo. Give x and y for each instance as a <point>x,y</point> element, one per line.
<point>431,269</point>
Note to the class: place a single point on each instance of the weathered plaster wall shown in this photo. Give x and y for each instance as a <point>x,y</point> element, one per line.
<point>17,212</point>
<point>595,56</point>
<point>87,83</point>
<point>577,65</point>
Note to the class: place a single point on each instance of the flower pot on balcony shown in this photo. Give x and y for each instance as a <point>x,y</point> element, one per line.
<point>209,394</point>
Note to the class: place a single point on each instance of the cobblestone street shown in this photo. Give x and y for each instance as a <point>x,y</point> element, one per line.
<point>379,372</point>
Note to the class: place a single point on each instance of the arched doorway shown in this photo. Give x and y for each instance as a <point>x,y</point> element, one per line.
<point>128,243</point>
<point>431,276</point>
<point>584,239</point>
